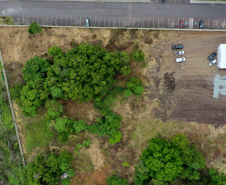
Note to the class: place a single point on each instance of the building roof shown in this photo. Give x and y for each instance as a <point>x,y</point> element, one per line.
<point>221,56</point>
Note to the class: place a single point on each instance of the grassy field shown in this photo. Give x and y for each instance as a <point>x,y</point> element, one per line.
<point>143,117</point>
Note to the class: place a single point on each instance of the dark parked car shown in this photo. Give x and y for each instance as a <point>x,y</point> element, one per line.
<point>178,46</point>
<point>211,56</point>
<point>201,24</point>
<point>180,24</point>
<point>163,1</point>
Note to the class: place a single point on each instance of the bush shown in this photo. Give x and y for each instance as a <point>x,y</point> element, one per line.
<point>115,180</point>
<point>136,86</point>
<point>138,55</point>
<point>34,28</point>
<point>15,93</point>
<point>54,109</point>
<point>128,93</point>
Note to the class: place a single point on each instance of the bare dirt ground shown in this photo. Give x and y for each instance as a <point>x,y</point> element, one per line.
<point>177,97</point>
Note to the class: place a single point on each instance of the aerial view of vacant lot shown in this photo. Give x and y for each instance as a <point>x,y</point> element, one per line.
<point>172,98</point>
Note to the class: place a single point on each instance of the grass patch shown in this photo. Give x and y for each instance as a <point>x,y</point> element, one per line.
<point>36,136</point>
<point>6,20</point>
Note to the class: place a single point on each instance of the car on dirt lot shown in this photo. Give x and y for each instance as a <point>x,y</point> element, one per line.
<point>213,62</point>
<point>180,24</point>
<point>211,56</point>
<point>178,46</point>
<point>180,60</point>
<point>179,53</point>
<point>201,24</point>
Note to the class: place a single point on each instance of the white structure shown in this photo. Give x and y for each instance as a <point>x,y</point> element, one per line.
<point>221,56</point>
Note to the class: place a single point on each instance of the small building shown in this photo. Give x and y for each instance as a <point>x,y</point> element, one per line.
<point>221,56</point>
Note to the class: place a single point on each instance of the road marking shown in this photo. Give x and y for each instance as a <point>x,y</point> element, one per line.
<point>104,21</point>
<point>133,21</point>
<point>80,21</point>
<point>70,20</point>
<point>99,21</point>
<point>158,22</point>
<point>168,22</point>
<point>23,19</point>
<point>208,23</point>
<point>148,22</point>
<point>153,22</point>
<point>47,20</point>
<point>213,23</point>
<point>163,23</point>
<point>173,22</point>
<point>109,22</point>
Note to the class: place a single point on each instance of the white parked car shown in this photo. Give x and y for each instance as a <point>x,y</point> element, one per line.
<point>213,62</point>
<point>180,60</point>
<point>179,53</point>
<point>87,22</point>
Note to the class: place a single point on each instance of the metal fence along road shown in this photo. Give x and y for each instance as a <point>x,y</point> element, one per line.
<point>12,111</point>
<point>123,22</point>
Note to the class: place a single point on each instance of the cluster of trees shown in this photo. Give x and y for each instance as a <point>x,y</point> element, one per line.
<point>108,125</point>
<point>79,74</point>
<point>48,169</point>
<point>172,161</point>
<point>11,162</point>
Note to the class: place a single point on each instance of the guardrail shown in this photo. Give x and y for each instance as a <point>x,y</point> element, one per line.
<point>12,111</point>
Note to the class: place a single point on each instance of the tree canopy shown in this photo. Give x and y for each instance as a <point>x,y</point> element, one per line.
<point>79,74</point>
<point>166,160</point>
<point>48,169</point>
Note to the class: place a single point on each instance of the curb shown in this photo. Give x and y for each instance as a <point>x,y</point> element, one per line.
<point>207,2</point>
<point>124,28</point>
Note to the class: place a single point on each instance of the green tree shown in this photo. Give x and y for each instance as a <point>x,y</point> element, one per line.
<point>138,55</point>
<point>55,52</point>
<point>136,86</point>
<point>54,109</point>
<point>34,28</point>
<point>115,180</point>
<point>166,160</point>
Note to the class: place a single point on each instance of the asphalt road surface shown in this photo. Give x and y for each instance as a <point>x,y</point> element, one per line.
<point>153,14</point>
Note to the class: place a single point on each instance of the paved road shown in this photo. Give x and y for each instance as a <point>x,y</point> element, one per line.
<point>153,14</point>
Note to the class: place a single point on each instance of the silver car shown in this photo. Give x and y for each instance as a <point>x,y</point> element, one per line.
<point>179,53</point>
<point>213,62</point>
